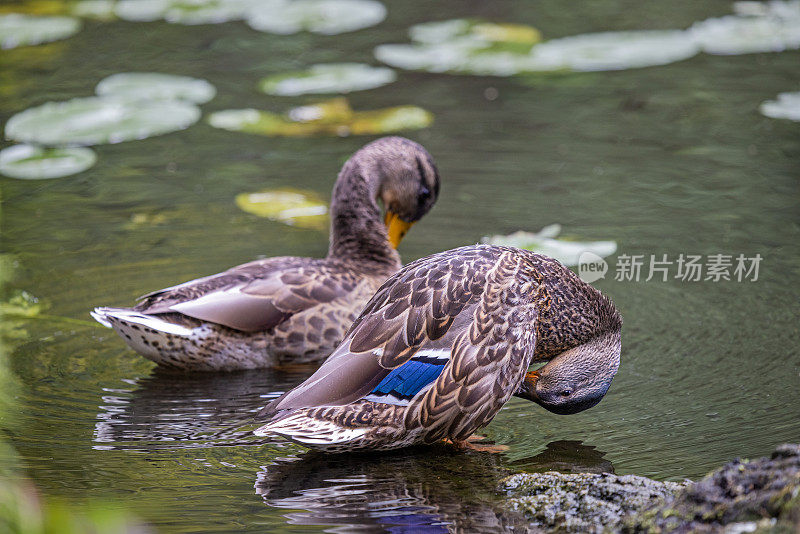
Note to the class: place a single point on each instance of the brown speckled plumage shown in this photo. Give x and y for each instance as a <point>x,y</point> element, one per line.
<point>488,312</point>
<point>288,309</point>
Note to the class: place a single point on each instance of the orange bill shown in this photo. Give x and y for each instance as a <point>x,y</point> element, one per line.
<point>527,390</point>
<point>396,228</point>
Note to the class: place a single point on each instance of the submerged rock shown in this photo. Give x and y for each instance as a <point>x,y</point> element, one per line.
<point>584,502</point>
<point>761,495</point>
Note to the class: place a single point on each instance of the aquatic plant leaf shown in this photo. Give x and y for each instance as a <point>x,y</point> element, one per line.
<point>328,78</point>
<point>333,111</point>
<point>35,7</point>
<point>141,10</point>
<point>294,207</point>
<point>97,120</point>
<point>331,117</point>
<point>94,9</point>
<point>435,57</point>
<point>475,29</point>
<point>388,120</point>
<point>328,17</point>
<point>22,304</point>
<point>29,162</point>
<point>156,86</point>
<point>612,51</point>
<point>733,34</point>
<point>188,12</point>
<point>21,30</point>
<point>775,8</point>
<point>787,106</point>
<point>463,46</point>
<point>545,242</point>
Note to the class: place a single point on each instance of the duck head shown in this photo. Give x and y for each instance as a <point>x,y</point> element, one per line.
<point>408,185</point>
<point>576,379</point>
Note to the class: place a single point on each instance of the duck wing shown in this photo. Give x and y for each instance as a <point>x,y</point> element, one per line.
<point>409,331</point>
<point>255,296</point>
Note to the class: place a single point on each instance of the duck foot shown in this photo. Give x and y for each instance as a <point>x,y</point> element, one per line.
<point>470,444</point>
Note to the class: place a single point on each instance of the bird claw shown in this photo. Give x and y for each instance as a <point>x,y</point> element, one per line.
<point>470,444</point>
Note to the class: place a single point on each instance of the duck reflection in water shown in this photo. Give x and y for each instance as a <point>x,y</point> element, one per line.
<point>401,491</point>
<point>565,456</point>
<point>169,411</point>
<point>405,491</point>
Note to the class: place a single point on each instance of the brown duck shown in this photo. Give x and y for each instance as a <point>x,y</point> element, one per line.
<point>288,309</point>
<point>445,342</point>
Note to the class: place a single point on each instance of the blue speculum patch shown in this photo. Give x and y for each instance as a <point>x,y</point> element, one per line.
<point>410,378</point>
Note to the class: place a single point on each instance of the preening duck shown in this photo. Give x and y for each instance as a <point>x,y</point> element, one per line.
<point>445,342</point>
<point>289,309</point>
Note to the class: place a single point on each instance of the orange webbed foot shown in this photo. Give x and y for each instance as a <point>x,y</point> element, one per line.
<point>470,444</point>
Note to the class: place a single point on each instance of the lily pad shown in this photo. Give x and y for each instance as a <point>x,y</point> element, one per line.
<point>328,17</point>
<point>329,78</point>
<point>184,11</point>
<point>463,46</point>
<point>776,8</point>
<point>478,30</point>
<point>34,7</point>
<point>98,120</point>
<point>303,209</point>
<point>545,242</point>
<point>94,9</point>
<point>332,117</point>
<point>612,51</point>
<point>156,86</point>
<point>21,30</point>
<point>733,34</point>
<point>787,106</point>
<point>28,162</point>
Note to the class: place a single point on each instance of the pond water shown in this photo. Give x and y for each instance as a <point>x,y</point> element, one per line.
<point>664,160</point>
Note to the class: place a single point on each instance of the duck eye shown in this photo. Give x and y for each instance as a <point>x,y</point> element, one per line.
<point>565,392</point>
<point>424,193</point>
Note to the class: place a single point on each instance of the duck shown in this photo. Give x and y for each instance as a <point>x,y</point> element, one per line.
<point>445,343</point>
<point>282,311</point>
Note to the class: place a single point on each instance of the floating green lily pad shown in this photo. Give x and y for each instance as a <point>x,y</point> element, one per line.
<point>545,242</point>
<point>97,120</point>
<point>328,78</point>
<point>35,7</point>
<point>184,11</point>
<point>29,162</point>
<point>775,8</point>
<point>156,86</point>
<point>331,117</point>
<point>478,47</point>
<point>733,34</point>
<point>464,46</point>
<point>787,106</point>
<point>613,51</point>
<point>303,209</point>
<point>94,9</point>
<point>328,17</point>
<point>22,30</point>
<point>477,30</point>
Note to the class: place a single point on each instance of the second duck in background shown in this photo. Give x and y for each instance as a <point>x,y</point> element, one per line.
<point>289,309</point>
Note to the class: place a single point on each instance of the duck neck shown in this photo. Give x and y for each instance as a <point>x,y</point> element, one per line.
<point>357,231</point>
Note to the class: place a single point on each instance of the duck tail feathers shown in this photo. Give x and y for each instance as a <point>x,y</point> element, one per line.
<point>123,317</point>
<point>302,428</point>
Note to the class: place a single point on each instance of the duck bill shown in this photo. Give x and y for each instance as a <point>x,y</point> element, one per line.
<point>396,228</point>
<point>527,390</point>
